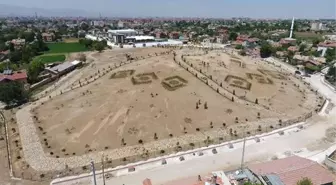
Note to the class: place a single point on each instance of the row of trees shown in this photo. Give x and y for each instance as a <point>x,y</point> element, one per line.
<point>96,45</point>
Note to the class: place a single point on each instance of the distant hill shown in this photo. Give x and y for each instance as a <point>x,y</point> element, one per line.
<point>10,10</point>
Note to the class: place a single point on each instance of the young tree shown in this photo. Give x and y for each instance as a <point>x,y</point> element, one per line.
<point>266,50</point>
<point>304,181</point>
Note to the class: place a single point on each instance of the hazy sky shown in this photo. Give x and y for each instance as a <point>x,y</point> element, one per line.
<point>193,8</point>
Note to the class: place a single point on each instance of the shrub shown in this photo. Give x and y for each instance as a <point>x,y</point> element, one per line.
<point>232,99</point>
<point>197,129</point>
<point>42,175</point>
<point>224,124</point>
<point>236,120</point>
<point>162,151</point>
<point>256,101</point>
<point>170,135</point>
<point>234,92</point>
<point>140,141</point>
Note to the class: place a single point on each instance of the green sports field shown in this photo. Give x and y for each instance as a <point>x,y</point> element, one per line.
<point>62,47</point>
<point>50,58</point>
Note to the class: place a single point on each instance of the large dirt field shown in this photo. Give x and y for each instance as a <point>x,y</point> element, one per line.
<point>136,103</point>
<point>273,89</point>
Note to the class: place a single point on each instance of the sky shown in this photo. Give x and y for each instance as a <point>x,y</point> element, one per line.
<point>192,8</point>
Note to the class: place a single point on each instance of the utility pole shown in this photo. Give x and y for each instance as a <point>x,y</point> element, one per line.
<point>103,169</point>
<point>243,154</point>
<point>94,181</point>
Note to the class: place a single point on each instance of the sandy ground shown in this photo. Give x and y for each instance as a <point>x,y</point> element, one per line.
<point>282,94</point>
<point>113,112</point>
<point>310,143</point>
<point>110,113</point>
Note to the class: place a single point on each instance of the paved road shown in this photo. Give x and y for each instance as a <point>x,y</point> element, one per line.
<point>309,142</point>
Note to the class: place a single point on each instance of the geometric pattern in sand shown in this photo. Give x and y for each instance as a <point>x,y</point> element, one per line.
<point>173,83</point>
<point>260,78</point>
<point>237,81</point>
<point>144,78</point>
<point>273,74</point>
<point>122,74</point>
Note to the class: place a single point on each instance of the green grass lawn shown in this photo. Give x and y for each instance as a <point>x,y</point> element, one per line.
<point>62,47</point>
<point>50,58</point>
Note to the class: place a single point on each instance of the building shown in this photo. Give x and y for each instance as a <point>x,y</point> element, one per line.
<point>120,24</point>
<point>9,75</point>
<point>118,36</point>
<point>48,37</point>
<point>314,26</point>
<point>18,43</point>
<point>290,170</point>
<point>317,26</point>
<point>330,37</point>
<point>137,39</point>
<point>324,46</point>
<point>62,68</point>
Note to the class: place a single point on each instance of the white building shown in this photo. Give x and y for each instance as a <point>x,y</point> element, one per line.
<point>330,37</point>
<point>125,32</point>
<point>316,26</point>
<point>118,36</point>
<point>120,24</point>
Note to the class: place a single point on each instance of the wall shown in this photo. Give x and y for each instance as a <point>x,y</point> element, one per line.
<point>331,164</point>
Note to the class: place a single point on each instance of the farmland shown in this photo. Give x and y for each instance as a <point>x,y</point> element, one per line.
<point>50,58</point>
<point>63,47</point>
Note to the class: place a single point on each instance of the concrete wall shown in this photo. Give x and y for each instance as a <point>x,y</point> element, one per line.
<point>331,164</point>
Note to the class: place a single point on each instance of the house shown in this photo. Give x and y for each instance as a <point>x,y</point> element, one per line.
<point>9,75</point>
<point>242,38</point>
<point>293,49</point>
<point>174,35</point>
<point>62,68</point>
<point>324,46</point>
<point>3,55</point>
<point>287,41</point>
<point>290,170</point>
<point>18,43</point>
<point>48,37</point>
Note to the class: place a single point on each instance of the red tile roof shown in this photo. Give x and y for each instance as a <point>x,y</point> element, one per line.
<point>14,76</point>
<point>292,169</point>
<point>292,48</point>
<point>327,44</point>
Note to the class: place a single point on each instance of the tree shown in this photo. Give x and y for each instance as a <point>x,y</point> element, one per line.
<point>239,46</point>
<point>81,57</point>
<point>302,47</point>
<point>15,56</point>
<point>233,36</point>
<point>99,46</point>
<point>13,93</point>
<point>304,181</point>
<point>266,50</point>
<point>330,55</point>
<point>163,35</point>
<point>34,69</point>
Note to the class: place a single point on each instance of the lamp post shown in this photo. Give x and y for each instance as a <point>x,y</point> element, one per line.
<point>94,181</point>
